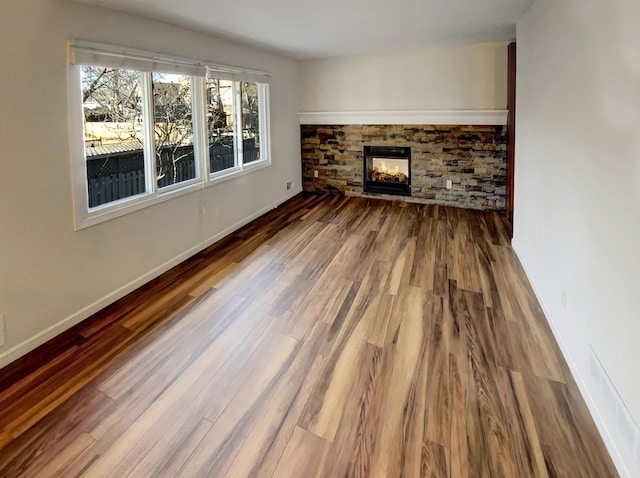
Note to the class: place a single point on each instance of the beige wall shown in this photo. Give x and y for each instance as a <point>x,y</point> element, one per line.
<point>52,276</point>
<point>451,77</point>
<point>577,195</point>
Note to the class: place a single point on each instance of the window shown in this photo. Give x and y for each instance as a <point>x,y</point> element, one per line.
<point>113,134</point>
<point>249,93</point>
<point>234,110</point>
<point>147,127</point>
<point>173,129</point>
<point>220,121</point>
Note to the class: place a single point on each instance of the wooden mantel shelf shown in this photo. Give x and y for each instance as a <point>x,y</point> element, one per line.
<point>452,117</point>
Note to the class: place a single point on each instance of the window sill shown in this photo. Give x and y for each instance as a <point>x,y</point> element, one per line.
<point>127,206</point>
<point>222,176</point>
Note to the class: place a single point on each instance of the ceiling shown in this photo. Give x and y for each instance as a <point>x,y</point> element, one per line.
<point>326,28</point>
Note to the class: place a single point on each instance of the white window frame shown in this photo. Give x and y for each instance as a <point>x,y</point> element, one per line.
<point>112,56</point>
<point>265,144</point>
<point>197,179</point>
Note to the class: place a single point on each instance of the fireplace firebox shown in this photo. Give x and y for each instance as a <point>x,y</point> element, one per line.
<point>387,170</point>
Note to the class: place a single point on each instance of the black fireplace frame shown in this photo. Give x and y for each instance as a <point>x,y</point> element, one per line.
<point>381,187</point>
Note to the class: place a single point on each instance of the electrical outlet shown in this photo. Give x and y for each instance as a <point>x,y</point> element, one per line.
<point>289,185</point>
<point>219,211</point>
<point>449,184</point>
<point>203,208</point>
<point>563,299</point>
<point>315,173</point>
<point>1,330</point>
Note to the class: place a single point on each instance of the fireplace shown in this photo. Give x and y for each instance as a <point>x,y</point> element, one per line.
<point>387,170</point>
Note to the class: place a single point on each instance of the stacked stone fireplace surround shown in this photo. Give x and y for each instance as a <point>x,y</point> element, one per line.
<point>473,158</point>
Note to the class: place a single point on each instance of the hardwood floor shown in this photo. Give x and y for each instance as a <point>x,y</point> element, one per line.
<point>333,337</point>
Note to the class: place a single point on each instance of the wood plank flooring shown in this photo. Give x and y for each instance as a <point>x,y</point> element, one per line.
<point>333,337</point>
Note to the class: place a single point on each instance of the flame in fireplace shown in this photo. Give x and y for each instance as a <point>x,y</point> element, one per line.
<point>385,169</point>
<point>386,174</point>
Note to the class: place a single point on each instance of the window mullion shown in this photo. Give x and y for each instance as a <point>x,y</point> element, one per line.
<point>200,139</point>
<point>148,121</point>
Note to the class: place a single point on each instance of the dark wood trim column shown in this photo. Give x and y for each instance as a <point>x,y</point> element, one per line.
<point>511,128</point>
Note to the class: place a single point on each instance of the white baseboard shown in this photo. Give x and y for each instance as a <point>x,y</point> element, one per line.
<point>56,329</point>
<point>610,441</point>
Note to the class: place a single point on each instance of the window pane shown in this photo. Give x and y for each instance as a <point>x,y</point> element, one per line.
<point>220,124</point>
<point>250,122</point>
<point>172,108</point>
<point>114,133</point>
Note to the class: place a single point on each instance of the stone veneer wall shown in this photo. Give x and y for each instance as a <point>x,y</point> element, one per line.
<point>472,157</point>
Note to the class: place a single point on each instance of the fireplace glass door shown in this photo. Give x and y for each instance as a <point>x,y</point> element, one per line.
<point>387,170</point>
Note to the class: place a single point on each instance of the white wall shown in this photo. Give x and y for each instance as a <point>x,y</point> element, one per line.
<point>52,276</point>
<point>577,194</point>
<point>440,78</point>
